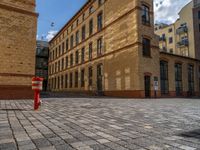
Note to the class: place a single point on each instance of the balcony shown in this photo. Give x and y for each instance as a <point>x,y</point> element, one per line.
<point>164,49</point>
<point>183,43</point>
<point>181,30</point>
<point>162,39</point>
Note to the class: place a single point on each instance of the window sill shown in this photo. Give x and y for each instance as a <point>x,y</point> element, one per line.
<point>147,24</point>
<point>147,56</point>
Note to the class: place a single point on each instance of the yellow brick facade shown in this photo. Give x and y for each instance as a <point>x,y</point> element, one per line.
<point>123,66</point>
<point>126,69</point>
<point>17,47</point>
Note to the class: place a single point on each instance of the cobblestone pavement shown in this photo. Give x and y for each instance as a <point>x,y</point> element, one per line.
<point>100,124</point>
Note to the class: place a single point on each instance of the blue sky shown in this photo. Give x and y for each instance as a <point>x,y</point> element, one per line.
<point>60,11</point>
<point>57,11</point>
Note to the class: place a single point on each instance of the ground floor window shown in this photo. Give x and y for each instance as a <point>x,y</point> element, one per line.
<point>62,81</point>
<point>55,83</point>
<point>90,74</point>
<point>178,79</point>
<point>76,79</point>
<point>164,77</point>
<point>58,86</point>
<point>82,78</point>
<point>66,81</point>
<point>191,79</point>
<point>71,80</point>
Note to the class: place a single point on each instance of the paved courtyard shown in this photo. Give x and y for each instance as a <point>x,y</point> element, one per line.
<point>101,124</point>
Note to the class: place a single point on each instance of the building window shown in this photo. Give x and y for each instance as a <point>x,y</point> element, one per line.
<point>199,27</point>
<point>52,71</point>
<point>178,79</point>
<point>62,81</point>
<point>55,83</point>
<point>67,62</point>
<point>72,41</point>
<point>100,2</point>
<point>83,33</point>
<point>99,46</point>
<point>91,27</point>
<point>100,21</point>
<point>59,50</point>
<point>90,51</point>
<point>191,79</point>
<point>164,77</point>
<point>170,30</point>
<point>199,14</point>
<point>146,47</point>
<point>171,50</point>
<point>71,59</point>
<point>76,79</point>
<point>90,74</point>
<point>77,37</point>
<point>71,80</point>
<point>67,44</point>
<point>66,81</point>
<point>58,65</point>
<point>77,57</point>
<point>56,52</point>
<point>83,54</point>
<point>63,63</point>
<point>58,84</point>
<point>77,22</point>
<point>72,27</point>
<point>50,58</point>
<point>83,17</point>
<point>82,78</point>
<point>145,15</point>
<point>170,40</point>
<point>91,10</point>
<point>53,55</point>
<point>63,47</point>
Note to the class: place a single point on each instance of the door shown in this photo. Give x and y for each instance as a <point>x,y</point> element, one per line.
<point>99,79</point>
<point>147,85</point>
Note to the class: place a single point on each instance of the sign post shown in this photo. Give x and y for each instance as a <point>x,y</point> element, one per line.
<point>37,87</point>
<point>155,86</point>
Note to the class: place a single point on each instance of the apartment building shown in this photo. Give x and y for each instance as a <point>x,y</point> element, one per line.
<point>182,36</point>
<point>106,48</point>
<point>17,48</point>
<point>179,56</point>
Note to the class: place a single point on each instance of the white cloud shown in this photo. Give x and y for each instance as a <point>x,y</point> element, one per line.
<point>167,10</point>
<point>50,35</point>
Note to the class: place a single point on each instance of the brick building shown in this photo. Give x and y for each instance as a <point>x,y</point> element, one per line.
<point>109,47</point>
<point>18,24</point>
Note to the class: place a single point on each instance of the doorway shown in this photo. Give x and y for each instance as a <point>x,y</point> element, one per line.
<point>147,85</point>
<point>99,79</point>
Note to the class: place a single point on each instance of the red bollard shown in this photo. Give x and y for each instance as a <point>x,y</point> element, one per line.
<point>37,87</point>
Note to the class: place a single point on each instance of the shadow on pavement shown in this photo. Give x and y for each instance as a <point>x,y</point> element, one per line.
<point>191,134</point>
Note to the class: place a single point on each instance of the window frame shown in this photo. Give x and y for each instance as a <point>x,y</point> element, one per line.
<point>146,47</point>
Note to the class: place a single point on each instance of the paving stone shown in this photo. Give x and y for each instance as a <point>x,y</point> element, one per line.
<point>101,124</point>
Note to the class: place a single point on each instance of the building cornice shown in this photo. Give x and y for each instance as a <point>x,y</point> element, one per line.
<point>16,75</point>
<point>6,7</point>
<point>184,57</point>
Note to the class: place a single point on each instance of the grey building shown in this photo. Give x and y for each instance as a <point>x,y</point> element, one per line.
<point>41,67</point>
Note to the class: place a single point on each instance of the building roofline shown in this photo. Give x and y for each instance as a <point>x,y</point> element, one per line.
<point>175,55</point>
<point>69,22</point>
<point>184,7</point>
